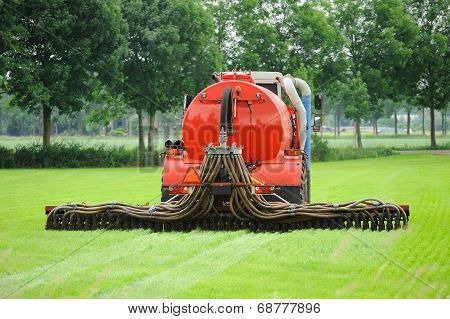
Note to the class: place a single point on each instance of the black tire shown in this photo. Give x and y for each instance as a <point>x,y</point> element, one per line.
<point>305,183</point>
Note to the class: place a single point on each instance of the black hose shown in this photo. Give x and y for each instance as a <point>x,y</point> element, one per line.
<point>226,110</point>
<point>244,206</point>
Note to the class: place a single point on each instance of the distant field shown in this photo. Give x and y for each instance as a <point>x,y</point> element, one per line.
<point>387,141</point>
<point>412,263</point>
<point>128,142</point>
<point>345,140</point>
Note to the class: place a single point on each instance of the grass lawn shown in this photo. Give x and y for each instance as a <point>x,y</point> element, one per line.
<point>412,263</point>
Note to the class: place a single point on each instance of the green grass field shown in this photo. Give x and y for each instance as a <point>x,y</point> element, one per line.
<point>412,263</point>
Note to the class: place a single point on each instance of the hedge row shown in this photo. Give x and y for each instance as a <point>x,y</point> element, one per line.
<point>321,152</point>
<point>65,154</point>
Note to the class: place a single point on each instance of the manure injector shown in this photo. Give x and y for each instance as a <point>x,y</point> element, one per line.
<point>243,162</point>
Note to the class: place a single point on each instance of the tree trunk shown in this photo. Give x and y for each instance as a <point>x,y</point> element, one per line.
<point>443,114</point>
<point>375,126</point>
<point>46,124</point>
<point>79,126</point>
<point>432,125</point>
<point>141,132</point>
<point>339,124</point>
<point>395,122</point>
<point>358,141</point>
<point>408,123</point>
<point>445,121</point>
<point>335,124</point>
<point>423,120</point>
<point>321,128</point>
<point>22,126</point>
<point>151,131</point>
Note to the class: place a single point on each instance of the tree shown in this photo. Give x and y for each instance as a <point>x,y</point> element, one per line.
<point>258,44</point>
<point>423,120</point>
<point>356,100</point>
<point>335,104</point>
<point>391,109</point>
<point>11,30</point>
<point>172,50</point>
<point>442,101</point>
<point>376,112</point>
<point>409,107</point>
<point>101,113</point>
<point>222,12</point>
<point>392,35</point>
<point>431,56</point>
<point>281,35</point>
<point>444,119</point>
<point>62,51</point>
<point>380,37</point>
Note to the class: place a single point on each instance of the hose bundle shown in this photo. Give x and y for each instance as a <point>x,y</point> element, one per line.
<point>247,210</point>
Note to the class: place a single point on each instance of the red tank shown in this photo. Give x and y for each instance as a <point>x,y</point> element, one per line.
<point>261,121</point>
<point>262,124</point>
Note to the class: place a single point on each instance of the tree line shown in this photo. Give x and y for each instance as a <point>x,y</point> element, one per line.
<point>366,56</point>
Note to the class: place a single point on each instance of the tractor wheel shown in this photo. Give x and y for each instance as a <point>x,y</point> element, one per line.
<point>305,184</point>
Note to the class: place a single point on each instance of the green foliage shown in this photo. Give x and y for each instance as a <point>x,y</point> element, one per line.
<point>389,106</point>
<point>355,98</point>
<point>102,114</point>
<point>6,157</point>
<point>65,47</point>
<point>443,146</point>
<point>349,153</point>
<point>172,50</point>
<point>62,53</point>
<point>119,132</point>
<point>11,30</point>
<point>145,54</point>
<point>392,35</point>
<point>282,36</point>
<point>320,150</point>
<point>63,154</point>
<point>430,60</point>
<point>380,37</point>
<point>430,63</point>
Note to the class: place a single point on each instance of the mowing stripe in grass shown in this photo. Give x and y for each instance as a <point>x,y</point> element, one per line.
<point>78,269</point>
<point>197,268</point>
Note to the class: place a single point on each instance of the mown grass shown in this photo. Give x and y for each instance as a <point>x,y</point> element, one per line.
<point>410,263</point>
